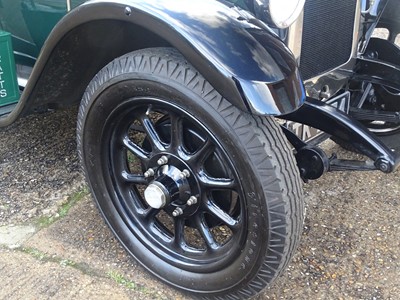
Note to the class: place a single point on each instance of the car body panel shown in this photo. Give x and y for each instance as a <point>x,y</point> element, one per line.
<point>241,60</point>
<point>30,22</point>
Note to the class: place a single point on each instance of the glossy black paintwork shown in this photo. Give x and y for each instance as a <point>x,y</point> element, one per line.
<point>233,54</point>
<point>383,50</point>
<point>376,71</point>
<point>319,115</point>
<point>311,160</point>
<point>369,19</point>
<point>390,19</point>
<point>242,61</point>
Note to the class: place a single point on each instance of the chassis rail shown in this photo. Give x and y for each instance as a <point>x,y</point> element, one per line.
<point>322,116</point>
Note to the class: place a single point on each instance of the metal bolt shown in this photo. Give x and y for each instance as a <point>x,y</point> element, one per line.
<point>128,11</point>
<point>184,174</point>
<point>162,161</point>
<point>149,173</point>
<point>372,92</point>
<point>325,92</point>
<point>192,200</point>
<point>177,212</point>
<point>384,167</point>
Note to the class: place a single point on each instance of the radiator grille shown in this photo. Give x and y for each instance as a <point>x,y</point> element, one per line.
<point>327,35</point>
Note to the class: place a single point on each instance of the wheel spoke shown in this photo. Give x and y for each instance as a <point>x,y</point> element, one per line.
<point>179,234</point>
<point>206,233</point>
<point>220,214</point>
<point>135,149</point>
<point>132,178</point>
<point>212,183</point>
<point>176,131</point>
<point>201,155</point>
<point>152,134</point>
<point>136,207</point>
<point>150,214</point>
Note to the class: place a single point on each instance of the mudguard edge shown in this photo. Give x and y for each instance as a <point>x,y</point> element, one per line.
<point>248,65</point>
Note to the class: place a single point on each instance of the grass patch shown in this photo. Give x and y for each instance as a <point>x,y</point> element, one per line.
<point>120,279</point>
<point>36,254</point>
<point>72,200</point>
<point>87,270</point>
<point>67,263</point>
<point>42,256</point>
<point>63,262</point>
<point>44,221</point>
<point>129,284</point>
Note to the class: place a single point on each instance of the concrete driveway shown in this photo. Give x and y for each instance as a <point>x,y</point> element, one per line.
<point>54,244</point>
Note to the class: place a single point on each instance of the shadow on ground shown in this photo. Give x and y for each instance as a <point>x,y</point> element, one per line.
<point>350,247</point>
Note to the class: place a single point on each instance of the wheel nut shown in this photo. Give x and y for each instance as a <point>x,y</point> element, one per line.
<point>162,161</point>
<point>192,200</point>
<point>184,174</point>
<point>149,173</point>
<point>177,212</point>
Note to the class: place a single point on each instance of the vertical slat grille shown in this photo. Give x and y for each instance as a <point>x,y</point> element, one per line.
<point>327,35</point>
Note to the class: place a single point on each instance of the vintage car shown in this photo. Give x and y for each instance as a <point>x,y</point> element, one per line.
<point>186,111</point>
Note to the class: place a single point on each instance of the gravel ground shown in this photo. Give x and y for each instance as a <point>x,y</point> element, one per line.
<point>350,247</point>
<point>39,166</point>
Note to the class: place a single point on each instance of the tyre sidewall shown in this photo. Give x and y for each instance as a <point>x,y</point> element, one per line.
<point>102,100</point>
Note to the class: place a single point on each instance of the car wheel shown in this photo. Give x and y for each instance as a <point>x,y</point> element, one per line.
<point>206,197</point>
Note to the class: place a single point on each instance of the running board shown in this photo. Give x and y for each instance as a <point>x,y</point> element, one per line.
<point>5,110</point>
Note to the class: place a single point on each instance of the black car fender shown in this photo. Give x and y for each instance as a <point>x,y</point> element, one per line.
<point>248,64</point>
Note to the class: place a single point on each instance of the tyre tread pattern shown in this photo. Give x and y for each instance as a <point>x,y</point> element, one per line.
<point>263,140</point>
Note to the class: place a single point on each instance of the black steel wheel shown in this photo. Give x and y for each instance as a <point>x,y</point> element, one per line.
<point>205,196</point>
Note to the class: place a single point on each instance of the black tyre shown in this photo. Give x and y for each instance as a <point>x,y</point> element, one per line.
<point>204,196</point>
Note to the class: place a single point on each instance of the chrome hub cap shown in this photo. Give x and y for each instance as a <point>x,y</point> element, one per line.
<point>156,195</point>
